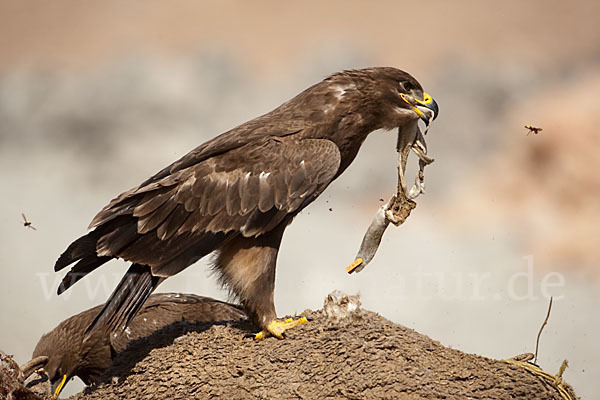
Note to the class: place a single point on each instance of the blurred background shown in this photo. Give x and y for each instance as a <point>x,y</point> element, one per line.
<point>97,96</point>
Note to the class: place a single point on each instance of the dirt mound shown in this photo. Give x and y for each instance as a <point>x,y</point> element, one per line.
<point>360,356</point>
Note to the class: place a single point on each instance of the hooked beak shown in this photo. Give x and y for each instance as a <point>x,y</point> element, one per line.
<point>427,109</point>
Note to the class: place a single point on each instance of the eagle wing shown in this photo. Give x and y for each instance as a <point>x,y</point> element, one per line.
<point>171,222</point>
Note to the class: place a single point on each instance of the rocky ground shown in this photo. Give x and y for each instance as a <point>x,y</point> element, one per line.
<point>343,352</point>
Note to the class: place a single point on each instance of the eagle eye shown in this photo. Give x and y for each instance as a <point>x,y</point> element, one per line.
<point>407,86</point>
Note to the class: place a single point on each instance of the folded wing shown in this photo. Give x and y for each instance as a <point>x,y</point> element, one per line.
<point>171,222</point>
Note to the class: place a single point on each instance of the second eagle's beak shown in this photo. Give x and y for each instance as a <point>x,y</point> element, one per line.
<point>427,109</point>
<point>58,386</point>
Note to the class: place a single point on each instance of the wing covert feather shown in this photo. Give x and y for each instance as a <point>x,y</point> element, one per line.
<point>249,190</point>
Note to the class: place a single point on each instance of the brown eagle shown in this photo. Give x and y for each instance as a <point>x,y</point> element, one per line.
<point>236,194</point>
<point>70,352</point>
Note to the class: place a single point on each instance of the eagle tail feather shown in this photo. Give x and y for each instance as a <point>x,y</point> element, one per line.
<point>77,250</point>
<point>127,298</point>
<point>85,265</point>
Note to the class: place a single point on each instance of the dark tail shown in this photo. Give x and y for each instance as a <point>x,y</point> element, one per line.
<point>81,269</point>
<point>125,301</point>
<point>84,251</point>
<point>82,247</point>
<point>118,232</point>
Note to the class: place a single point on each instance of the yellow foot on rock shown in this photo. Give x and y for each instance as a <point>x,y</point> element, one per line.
<point>277,328</point>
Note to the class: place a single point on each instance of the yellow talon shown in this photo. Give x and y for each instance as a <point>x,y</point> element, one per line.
<point>350,268</point>
<point>277,328</point>
<point>260,335</point>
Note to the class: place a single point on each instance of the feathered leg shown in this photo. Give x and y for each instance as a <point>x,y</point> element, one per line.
<point>247,267</point>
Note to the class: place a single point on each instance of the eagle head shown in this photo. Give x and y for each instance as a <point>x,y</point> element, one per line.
<point>384,97</point>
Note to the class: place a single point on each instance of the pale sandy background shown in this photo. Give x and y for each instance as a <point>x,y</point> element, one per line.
<point>97,96</point>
